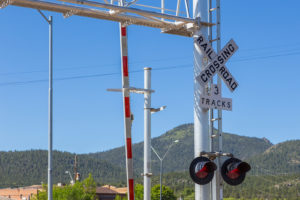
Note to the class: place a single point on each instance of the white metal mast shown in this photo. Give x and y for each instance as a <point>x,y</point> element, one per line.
<point>201,129</point>
<point>147,134</point>
<point>50,186</point>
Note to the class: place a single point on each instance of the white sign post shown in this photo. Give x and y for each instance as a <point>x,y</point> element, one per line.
<point>213,100</point>
<point>217,63</point>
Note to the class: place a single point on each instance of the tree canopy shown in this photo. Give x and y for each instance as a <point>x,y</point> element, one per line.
<point>85,190</point>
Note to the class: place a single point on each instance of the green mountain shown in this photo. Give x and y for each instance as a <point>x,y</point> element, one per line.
<point>282,158</point>
<point>181,154</point>
<point>23,168</point>
<point>275,174</point>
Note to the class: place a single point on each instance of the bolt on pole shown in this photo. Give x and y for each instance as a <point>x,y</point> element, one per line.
<point>201,129</point>
<point>147,134</point>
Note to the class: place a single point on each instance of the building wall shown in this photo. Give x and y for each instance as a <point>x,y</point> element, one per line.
<point>19,193</point>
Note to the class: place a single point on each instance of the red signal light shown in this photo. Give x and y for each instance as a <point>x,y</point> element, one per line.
<point>202,173</point>
<point>233,174</point>
<point>234,171</point>
<point>202,170</point>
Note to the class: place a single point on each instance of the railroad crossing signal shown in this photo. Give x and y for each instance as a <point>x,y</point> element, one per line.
<point>234,171</point>
<point>217,62</point>
<point>202,170</point>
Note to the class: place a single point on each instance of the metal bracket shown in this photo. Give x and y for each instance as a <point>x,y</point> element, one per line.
<point>198,21</point>
<point>127,4</point>
<point>6,3</point>
<point>70,13</point>
<point>131,117</point>
<point>127,23</point>
<point>132,89</point>
<point>147,174</point>
<point>215,119</point>
<point>154,110</point>
<point>214,155</point>
<point>211,41</point>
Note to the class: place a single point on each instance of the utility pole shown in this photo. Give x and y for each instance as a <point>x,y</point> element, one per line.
<point>50,105</point>
<point>75,169</point>
<point>147,134</point>
<point>50,21</point>
<point>201,129</point>
<point>146,91</point>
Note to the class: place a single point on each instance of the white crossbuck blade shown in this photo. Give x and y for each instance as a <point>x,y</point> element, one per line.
<point>217,62</point>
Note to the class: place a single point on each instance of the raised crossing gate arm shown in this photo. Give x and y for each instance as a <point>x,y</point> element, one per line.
<point>171,24</point>
<point>127,111</point>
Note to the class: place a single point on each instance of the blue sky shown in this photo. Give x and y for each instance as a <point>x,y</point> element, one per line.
<point>87,118</point>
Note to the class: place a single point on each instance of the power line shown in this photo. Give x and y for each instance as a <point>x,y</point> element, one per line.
<point>92,66</point>
<point>243,59</point>
<point>89,76</point>
<point>265,57</point>
<point>254,58</point>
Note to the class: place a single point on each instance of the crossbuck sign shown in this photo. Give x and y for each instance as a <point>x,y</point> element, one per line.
<point>217,63</point>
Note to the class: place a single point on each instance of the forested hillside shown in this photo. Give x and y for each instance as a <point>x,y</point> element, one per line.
<point>282,158</point>
<point>255,187</point>
<point>21,168</point>
<point>241,146</point>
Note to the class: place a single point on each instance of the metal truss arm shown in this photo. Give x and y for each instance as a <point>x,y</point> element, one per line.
<point>124,14</point>
<point>130,10</point>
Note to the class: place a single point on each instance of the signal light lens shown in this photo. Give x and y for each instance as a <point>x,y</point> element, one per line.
<point>233,174</point>
<point>202,170</point>
<point>201,173</point>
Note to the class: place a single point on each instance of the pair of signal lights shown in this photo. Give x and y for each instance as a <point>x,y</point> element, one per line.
<point>233,170</point>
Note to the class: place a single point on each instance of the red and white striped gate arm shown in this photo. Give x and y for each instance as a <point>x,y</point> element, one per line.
<point>127,113</point>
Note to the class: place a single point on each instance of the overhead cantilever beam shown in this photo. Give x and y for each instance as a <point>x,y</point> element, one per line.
<point>130,10</point>
<point>138,11</point>
<point>85,12</point>
<point>127,15</point>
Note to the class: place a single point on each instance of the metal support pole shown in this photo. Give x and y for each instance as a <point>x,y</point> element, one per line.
<point>75,169</point>
<point>160,179</point>
<point>219,82</point>
<point>162,8</point>
<point>50,104</point>
<point>147,134</point>
<point>201,129</point>
<point>50,21</point>
<point>214,190</point>
<point>161,163</point>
